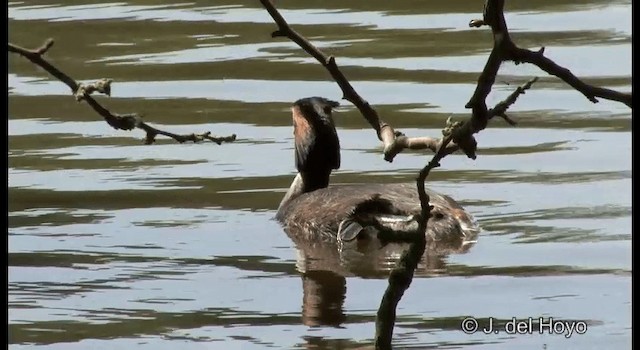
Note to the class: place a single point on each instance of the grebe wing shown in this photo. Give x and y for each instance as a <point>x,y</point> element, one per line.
<point>346,209</point>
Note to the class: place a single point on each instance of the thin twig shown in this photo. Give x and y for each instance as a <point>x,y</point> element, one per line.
<point>117,121</point>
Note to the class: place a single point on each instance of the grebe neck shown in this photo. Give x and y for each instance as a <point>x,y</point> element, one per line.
<point>305,182</point>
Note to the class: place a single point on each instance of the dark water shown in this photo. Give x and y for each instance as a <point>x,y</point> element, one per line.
<point>118,245</point>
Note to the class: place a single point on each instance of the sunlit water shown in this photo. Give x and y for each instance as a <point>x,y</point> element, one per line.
<point>118,245</point>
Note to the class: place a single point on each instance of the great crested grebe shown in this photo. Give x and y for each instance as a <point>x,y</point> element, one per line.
<point>344,213</point>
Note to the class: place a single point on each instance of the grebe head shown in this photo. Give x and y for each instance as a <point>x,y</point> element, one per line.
<point>317,147</point>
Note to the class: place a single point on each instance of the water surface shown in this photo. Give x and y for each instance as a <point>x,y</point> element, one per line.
<point>118,245</point>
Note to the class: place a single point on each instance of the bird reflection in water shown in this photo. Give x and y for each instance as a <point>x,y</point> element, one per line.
<point>325,267</point>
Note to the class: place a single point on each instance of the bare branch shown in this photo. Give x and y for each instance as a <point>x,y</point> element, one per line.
<point>393,141</point>
<point>589,91</point>
<point>401,276</point>
<point>102,86</point>
<point>461,133</point>
<point>506,49</point>
<point>456,135</point>
<point>392,144</point>
<point>117,121</point>
<point>329,63</point>
<point>399,281</point>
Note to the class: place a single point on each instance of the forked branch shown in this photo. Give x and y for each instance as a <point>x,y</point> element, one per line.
<point>117,121</point>
<point>505,49</point>
<point>393,141</point>
<point>458,135</point>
